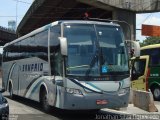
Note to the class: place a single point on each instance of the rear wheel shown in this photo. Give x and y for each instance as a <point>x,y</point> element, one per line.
<point>156,93</point>
<point>44,101</point>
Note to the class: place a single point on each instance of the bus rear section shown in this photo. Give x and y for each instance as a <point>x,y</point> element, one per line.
<point>145,76</point>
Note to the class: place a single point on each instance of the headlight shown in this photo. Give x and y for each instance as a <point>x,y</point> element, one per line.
<point>6,104</point>
<point>73,91</point>
<point>3,105</point>
<point>123,91</point>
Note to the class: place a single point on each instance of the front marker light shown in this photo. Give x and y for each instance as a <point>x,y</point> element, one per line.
<point>73,91</point>
<point>123,91</point>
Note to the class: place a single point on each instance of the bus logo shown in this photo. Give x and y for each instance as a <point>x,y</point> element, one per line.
<point>32,67</point>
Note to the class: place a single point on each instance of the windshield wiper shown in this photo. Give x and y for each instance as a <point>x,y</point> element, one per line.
<point>93,61</point>
<point>102,59</point>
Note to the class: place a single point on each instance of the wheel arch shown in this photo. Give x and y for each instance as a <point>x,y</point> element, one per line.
<point>43,87</point>
<point>153,85</point>
<point>9,76</point>
<point>9,83</point>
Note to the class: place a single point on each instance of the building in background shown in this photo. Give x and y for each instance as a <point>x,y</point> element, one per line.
<point>12,25</point>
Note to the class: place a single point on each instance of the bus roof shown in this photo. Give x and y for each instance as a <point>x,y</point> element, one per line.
<point>150,46</point>
<point>59,22</point>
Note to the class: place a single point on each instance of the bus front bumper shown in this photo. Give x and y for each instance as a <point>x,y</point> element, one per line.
<point>90,101</point>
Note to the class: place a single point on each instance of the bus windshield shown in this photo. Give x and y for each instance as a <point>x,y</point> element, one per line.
<point>95,50</point>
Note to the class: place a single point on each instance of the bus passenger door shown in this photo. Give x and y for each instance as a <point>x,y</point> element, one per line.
<point>139,72</point>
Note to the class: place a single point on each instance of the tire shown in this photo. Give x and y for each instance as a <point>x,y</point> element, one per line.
<point>11,91</point>
<point>156,93</point>
<point>44,101</point>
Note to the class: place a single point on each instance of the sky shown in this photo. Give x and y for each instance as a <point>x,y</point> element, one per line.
<point>8,12</point>
<point>148,18</point>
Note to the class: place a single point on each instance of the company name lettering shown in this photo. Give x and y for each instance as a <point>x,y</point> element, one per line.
<point>32,67</point>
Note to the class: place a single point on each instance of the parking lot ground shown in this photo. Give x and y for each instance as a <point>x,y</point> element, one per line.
<point>131,109</point>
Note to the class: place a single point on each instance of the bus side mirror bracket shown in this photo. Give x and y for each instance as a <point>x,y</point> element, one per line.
<point>63,46</point>
<point>135,48</point>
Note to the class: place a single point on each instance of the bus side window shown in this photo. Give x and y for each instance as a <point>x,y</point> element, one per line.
<point>5,52</point>
<point>55,55</point>
<point>31,46</point>
<point>42,45</point>
<point>154,55</point>
<point>23,48</point>
<point>13,52</point>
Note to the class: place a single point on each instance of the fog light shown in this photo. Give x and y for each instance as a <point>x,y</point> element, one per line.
<point>123,91</point>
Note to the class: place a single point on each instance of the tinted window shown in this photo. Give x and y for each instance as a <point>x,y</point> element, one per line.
<point>11,52</point>
<point>31,47</point>
<point>55,56</point>
<point>5,53</point>
<point>138,68</point>
<point>23,48</point>
<point>41,46</point>
<point>154,55</point>
<point>35,46</point>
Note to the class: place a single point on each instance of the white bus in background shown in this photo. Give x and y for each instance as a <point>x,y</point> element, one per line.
<point>69,65</point>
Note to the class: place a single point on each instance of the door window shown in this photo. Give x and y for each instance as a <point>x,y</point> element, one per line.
<point>138,68</point>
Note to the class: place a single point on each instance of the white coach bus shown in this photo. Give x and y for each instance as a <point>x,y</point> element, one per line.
<point>69,65</point>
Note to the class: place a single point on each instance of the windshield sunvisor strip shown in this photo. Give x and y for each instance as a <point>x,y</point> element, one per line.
<point>81,85</point>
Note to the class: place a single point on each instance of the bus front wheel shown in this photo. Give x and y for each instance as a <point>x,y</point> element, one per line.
<point>44,101</point>
<point>156,93</point>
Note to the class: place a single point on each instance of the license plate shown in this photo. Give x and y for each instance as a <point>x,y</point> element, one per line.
<point>101,102</point>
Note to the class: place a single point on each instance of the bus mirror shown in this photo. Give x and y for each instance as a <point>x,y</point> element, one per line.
<point>63,45</point>
<point>135,48</point>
